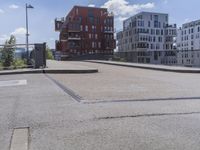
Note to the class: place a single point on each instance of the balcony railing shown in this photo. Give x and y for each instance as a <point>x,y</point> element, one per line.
<point>59,23</point>
<point>73,46</point>
<point>74,30</point>
<point>110,31</point>
<point>74,38</point>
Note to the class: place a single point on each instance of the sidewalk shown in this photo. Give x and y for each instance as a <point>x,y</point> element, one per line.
<point>150,66</point>
<point>54,67</point>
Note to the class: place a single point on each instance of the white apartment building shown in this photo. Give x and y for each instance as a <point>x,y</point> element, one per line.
<point>148,38</point>
<point>188,44</point>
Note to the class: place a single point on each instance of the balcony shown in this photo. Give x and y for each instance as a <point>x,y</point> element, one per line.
<point>74,30</point>
<point>74,38</point>
<point>73,27</point>
<point>59,24</point>
<point>74,46</point>
<point>109,31</point>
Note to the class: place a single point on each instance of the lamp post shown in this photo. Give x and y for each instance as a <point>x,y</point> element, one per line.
<point>27,34</point>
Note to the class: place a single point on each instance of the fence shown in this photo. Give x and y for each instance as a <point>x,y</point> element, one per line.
<point>189,58</point>
<point>16,56</point>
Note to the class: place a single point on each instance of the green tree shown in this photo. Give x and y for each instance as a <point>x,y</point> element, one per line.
<point>49,53</point>
<point>8,52</point>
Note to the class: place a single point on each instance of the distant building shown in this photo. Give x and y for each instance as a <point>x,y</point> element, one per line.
<point>148,38</point>
<point>188,44</point>
<point>86,31</point>
<point>20,53</point>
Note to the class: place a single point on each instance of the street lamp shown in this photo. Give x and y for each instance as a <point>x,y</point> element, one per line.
<point>27,34</point>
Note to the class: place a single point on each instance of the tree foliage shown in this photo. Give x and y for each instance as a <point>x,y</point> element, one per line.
<point>8,51</point>
<point>49,54</point>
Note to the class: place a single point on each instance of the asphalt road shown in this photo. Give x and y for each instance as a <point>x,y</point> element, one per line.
<point>124,83</point>
<point>57,121</point>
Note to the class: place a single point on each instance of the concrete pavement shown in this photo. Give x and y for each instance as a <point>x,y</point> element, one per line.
<point>55,67</point>
<point>116,83</point>
<point>56,121</point>
<point>149,66</point>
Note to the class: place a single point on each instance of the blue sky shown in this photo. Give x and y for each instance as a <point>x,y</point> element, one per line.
<point>41,25</point>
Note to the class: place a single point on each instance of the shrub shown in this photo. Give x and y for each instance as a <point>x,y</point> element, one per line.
<point>1,66</point>
<point>49,53</point>
<point>8,52</point>
<point>19,63</point>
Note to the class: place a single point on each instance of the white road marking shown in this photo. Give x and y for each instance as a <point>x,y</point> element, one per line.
<point>20,139</point>
<point>13,83</point>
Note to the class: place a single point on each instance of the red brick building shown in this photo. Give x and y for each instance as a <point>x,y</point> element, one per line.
<point>86,30</point>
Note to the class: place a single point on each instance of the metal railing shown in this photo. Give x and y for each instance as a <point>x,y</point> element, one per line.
<point>17,57</point>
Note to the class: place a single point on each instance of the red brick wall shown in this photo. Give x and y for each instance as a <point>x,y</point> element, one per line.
<point>92,36</point>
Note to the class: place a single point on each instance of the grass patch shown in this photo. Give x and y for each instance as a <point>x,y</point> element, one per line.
<point>19,63</point>
<point>16,64</point>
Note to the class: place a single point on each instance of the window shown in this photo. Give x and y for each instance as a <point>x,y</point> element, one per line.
<point>159,39</point>
<point>161,32</point>
<point>86,28</point>
<point>93,28</point>
<point>155,17</point>
<point>156,25</point>
<point>91,20</point>
<point>157,32</point>
<point>77,11</point>
<point>90,13</point>
<point>154,39</point>
<point>166,18</point>
<point>149,24</point>
<point>93,45</point>
<point>99,44</point>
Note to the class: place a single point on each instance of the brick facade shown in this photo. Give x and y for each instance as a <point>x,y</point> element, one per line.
<point>86,30</point>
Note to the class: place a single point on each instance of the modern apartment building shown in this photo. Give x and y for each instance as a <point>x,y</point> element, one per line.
<point>148,38</point>
<point>86,31</point>
<point>188,44</point>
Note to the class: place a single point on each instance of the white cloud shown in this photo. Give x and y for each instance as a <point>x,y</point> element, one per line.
<point>91,5</point>
<point>19,31</point>
<point>1,11</point>
<point>13,6</point>
<point>120,18</point>
<point>123,9</point>
<point>3,38</point>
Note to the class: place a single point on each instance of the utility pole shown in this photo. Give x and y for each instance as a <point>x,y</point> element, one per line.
<point>27,34</point>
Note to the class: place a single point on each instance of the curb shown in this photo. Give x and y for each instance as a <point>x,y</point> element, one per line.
<point>146,67</point>
<point>21,72</point>
<point>70,71</point>
<point>49,71</point>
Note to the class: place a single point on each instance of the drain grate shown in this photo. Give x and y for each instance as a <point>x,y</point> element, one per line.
<point>66,90</point>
